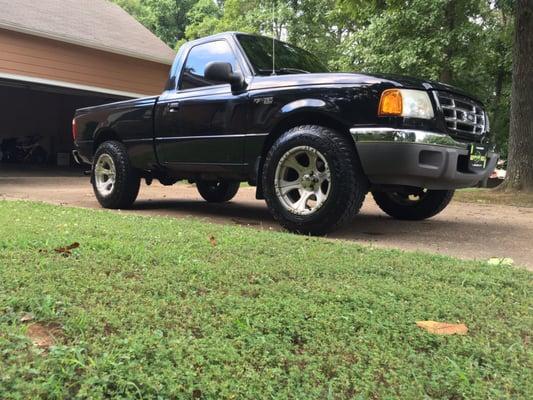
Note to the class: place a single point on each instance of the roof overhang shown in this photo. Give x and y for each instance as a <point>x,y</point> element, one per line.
<point>84,43</point>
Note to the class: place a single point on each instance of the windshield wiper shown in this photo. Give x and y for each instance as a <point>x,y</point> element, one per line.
<point>284,71</point>
<point>292,71</point>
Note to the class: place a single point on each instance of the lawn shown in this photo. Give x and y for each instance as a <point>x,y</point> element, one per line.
<point>491,196</point>
<point>183,309</point>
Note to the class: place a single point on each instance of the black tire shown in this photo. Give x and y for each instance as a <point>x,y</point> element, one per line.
<point>399,206</point>
<point>348,184</point>
<point>219,191</point>
<point>127,179</point>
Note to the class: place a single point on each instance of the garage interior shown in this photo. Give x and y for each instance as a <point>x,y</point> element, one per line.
<point>36,122</point>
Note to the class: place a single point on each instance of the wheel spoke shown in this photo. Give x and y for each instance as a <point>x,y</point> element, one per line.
<point>323,176</point>
<point>313,158</point>
<point>320,197</point>
<point>286,187</point>
<point>295,165</point>
<point>301,204</point>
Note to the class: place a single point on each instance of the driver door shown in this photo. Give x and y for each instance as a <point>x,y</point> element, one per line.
<point>201,126</point>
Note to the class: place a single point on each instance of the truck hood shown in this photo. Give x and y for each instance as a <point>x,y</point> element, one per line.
<point>416,83</point>
<point>279,81</point>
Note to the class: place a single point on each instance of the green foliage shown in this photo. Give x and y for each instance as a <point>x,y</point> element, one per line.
<point>166,18</point>
<point>204,18</point>
<point>149,308</point>
<point>467,43</point>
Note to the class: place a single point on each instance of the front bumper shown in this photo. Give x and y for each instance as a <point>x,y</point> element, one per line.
<point>417,158</point>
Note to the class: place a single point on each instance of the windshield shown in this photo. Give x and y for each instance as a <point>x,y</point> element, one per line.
<point>289,59</point>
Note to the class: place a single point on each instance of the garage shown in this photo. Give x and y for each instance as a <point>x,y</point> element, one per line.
<point>60,55</point>
<point>36,119</point>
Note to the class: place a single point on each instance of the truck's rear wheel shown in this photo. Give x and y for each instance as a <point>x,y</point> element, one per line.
<point>414,205</point>
<point>218,191</point>
<point>115,182</point>
<point>313,181</point>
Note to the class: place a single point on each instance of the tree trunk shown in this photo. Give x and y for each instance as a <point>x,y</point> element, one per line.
<point>498,88</point>
<point>520,163</point>
<point>446,73</point>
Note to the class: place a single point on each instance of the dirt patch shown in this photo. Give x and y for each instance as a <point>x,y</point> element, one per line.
<point>44,335</point>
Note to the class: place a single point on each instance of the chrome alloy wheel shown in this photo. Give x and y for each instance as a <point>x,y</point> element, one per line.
<point>302,180</point>
<point>105,174</point>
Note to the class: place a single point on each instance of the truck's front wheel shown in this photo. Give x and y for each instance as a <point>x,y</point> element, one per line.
<point>312,180</point>
<point>115,182</point>
<point>415,204</point>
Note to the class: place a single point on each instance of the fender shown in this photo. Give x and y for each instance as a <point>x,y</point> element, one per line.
<point>298,112</point>
<point>102,133</point>
<point>306,111</point>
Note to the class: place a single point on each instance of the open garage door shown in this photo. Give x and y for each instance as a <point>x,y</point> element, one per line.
<point>35,121</point>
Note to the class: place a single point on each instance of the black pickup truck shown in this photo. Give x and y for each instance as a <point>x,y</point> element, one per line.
<point>245,108</point>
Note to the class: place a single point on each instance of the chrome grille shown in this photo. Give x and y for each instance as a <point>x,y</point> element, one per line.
<point>464,118</point>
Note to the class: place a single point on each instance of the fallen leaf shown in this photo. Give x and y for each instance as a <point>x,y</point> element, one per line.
<point>43,335</point>
<point>66,251</point>
<point>443,328</point>
<point>212,240</point>
<point>26,317</point>
<point>500,261</point>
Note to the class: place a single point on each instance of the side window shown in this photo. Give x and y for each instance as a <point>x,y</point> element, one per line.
<point>201,55</point>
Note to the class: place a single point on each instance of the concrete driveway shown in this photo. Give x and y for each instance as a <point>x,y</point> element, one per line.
<point>463,230</point>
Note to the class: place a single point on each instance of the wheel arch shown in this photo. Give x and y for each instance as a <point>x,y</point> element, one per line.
<point>292,120</point>
<point>104,135</point>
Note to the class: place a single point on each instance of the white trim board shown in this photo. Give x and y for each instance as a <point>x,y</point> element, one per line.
<point>70,85</point>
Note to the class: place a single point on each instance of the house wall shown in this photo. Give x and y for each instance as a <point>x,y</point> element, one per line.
<point>32,56</point>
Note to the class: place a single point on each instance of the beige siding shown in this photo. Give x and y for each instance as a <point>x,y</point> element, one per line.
<point>27,55</point>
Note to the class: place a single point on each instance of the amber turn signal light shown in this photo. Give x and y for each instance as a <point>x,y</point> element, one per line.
<point>391,103</point>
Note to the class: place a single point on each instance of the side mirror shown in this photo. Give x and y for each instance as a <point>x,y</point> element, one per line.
<point>223,72</point>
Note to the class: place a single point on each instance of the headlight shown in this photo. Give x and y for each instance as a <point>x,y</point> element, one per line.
<point>406,103</point>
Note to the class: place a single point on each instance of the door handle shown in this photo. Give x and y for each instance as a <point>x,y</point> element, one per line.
<point>173,107</point>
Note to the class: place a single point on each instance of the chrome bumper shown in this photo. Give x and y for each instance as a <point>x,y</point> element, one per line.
<point>405,136</point>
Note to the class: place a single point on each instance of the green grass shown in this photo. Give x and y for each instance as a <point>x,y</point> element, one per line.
<point>491,196</point>
<point>150,309</point>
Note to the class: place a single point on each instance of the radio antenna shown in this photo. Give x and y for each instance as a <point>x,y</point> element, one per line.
<point>273,37</point>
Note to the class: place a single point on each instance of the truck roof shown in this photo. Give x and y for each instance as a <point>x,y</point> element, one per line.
<point>222,35</point>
